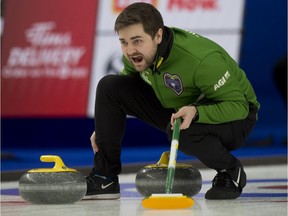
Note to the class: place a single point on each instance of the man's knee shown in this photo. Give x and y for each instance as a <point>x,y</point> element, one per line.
<point>106,81</point>
<point>189,139</point>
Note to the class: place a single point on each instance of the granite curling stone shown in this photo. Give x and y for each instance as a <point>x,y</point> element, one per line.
<point>57,185</point>
<point>152,178</point>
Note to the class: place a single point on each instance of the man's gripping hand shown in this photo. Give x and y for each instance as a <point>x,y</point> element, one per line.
<point>187,113</point>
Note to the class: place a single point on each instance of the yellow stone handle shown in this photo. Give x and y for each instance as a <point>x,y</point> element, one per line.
<point>58,167</point>
<point>59,164</point>
<point>164,159</point>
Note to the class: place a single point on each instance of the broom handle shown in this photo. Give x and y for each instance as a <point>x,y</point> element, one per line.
<point>173,156</point>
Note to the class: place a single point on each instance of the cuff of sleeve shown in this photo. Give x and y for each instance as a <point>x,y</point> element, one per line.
<point>196,116</point>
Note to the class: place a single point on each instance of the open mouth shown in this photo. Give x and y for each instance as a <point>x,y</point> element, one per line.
<point>137,59</point>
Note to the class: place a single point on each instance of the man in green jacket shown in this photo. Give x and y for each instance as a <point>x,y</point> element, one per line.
<point>170,73</point>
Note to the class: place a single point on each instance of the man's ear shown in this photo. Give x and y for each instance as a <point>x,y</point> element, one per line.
<point>158,36</point>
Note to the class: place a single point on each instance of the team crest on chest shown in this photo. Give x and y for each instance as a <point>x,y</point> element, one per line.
<point>174,82</point>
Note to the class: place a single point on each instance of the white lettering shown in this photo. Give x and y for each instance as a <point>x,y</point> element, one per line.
<point>33,57</point>
<point>56,73</point>
<point>222,81</point>
<point>50,55</point>
<point>40,35</point>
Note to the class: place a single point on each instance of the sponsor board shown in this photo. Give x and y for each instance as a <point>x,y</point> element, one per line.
<point>47,56</point>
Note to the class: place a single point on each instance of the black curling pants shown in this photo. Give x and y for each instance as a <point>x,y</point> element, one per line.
<point>118,96</point>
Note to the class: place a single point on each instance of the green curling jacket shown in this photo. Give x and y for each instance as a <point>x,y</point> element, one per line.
<point>191,69</point>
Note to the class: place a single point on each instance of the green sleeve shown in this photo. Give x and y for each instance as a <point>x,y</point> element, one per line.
<point>218,78</point>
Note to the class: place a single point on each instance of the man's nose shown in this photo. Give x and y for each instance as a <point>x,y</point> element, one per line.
<point>130,49</point>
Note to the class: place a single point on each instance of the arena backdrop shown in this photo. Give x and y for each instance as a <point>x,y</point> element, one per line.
<point>55,52</point>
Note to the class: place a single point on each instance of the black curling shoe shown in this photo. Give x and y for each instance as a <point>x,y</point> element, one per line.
<point>227,184</point>
<point>102,188</point>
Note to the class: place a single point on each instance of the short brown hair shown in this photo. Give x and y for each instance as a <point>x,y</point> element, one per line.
<point>143,13</point>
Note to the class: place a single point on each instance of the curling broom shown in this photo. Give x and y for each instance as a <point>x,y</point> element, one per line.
<point>170,200</point>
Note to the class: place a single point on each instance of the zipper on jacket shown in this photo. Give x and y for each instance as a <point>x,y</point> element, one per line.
<point>158,93</point>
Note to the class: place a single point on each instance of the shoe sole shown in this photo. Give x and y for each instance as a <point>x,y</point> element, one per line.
<point>221,195</point>
<point>102,197</point>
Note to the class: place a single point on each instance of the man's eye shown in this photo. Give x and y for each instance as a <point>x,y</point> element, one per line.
<point>137,41</point>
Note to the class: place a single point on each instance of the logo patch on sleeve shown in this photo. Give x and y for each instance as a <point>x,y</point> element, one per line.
<point>174,82</point>
<point>222,81</point>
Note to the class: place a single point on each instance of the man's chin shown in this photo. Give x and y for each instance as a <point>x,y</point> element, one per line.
<point>140,68</point>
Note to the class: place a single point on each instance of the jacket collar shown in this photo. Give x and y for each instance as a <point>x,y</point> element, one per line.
<point>163,49</point>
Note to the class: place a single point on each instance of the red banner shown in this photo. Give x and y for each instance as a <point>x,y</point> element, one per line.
<point>46,57</point>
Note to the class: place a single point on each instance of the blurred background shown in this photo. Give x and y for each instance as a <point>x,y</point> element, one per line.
<point>53,53</point>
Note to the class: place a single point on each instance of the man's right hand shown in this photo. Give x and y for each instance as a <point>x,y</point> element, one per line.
<point>93,142</point>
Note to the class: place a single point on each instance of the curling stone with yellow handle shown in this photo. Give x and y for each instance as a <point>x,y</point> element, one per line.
<point>57,185</point>
<point>152,178</point>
